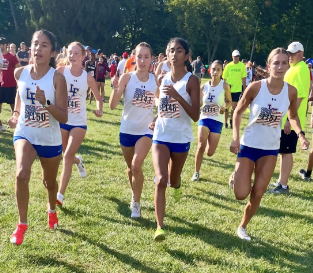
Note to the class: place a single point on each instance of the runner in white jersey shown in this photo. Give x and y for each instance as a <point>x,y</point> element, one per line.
<point>179,103</point>
<point>74,131</point>
<point>40,105</point>
<point>269,100</point>
<point>164,66</point>
<point>139,89</point>
<point>215,93</point>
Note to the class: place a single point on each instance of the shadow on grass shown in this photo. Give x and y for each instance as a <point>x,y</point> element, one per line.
<point>256,249</point>
<point>6,145</point>
<point>124,258</point>
<point>51,262</point>
<point>106,149</point>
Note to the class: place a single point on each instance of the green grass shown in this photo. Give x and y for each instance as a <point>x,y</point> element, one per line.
<point>96,233</point>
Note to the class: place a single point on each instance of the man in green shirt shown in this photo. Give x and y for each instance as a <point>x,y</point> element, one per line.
<point>298,75</point>
<point>235,74</point>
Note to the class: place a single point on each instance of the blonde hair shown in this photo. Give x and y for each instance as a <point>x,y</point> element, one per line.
<point>78,44</point>
<point>274,52</point>
<point>63,62</point>
<point>144,44</point>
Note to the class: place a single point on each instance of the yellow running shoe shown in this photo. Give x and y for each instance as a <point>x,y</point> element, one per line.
<point>177,194</point>
<point>159,235</point>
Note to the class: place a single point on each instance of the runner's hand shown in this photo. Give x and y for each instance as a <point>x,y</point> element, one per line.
<point>222,110</point>
<point>13,121</point>
<point>287,128</point>
<point>40,95</point>
<point>304,142</point>
<point>169,90</point>
<point>98,113</point>
<point>115,81</point>
<point>235,147</point>
<point>152,125</point>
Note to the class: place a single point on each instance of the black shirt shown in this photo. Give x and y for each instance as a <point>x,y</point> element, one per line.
<point>23,55</point>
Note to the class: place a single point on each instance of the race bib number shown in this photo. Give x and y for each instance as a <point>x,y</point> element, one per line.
<point>143,98</point>
<point>73,104</point>
<point>36,116</point>
<point>169,108</point>
<point>269,117</point>
<point>210,110</point>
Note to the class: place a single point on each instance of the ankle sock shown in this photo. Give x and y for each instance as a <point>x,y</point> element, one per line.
<point>284,187</point>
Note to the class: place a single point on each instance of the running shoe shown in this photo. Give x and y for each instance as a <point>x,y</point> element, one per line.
<point>136,211</point>
<point>231,124</point>
<point>159,235</point>
<point>195,177</point>
<point>231,180</point>
<point>226,125</point>
<point>18,234</point>
<point>52,220</point>
<point>177,194</point>
<point>279,190</point>
<point>60,198</point>
<point>2,128</point>
<point>304,176</point>
<point>242,234</point>
<point>276,184</point>
<point>80,166</point>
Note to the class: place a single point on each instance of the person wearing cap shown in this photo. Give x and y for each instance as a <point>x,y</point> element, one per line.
<point>235,74</point>
<point>121,64</point>
<point>8,82</point>
<point>298,75</point>
<point>130,64</point>
<point>22,55</point>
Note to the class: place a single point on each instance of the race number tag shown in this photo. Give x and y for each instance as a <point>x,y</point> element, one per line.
<point>73,104</point>
<point>269,117</point>
<point>143,98</point>
<point>210,110</point>
<point>36,116</point>
<point>169,108</point>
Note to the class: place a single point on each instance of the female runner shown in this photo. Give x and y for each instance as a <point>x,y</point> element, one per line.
<point>179,103</point>
<point>39,107</point>
<point>269,99</point>
<point>139,89</point>
<point>213,94</point>
<point>74,131</point>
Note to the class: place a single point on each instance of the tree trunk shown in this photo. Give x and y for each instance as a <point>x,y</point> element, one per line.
<point>13,15</point>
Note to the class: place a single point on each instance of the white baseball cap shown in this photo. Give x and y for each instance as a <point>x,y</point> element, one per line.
<point>295,47</point>
<point>235,53</point>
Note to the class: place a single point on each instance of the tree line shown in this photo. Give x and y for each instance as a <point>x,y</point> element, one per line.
<point>214,28</point>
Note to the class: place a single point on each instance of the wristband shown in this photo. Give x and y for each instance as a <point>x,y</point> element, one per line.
<point>302,133</point>
<point>16,112</point>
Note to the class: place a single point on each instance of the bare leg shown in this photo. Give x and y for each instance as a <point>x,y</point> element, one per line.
<point>286,163</point>
<point>202,142</point>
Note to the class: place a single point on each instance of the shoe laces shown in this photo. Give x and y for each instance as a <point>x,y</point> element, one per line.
<point>20,229</point>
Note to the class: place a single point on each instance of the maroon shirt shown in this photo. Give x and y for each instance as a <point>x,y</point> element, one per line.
<point>7,71</point>
<point>102,70</point>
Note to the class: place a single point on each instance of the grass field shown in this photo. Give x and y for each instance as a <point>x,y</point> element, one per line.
<point>96,233</point>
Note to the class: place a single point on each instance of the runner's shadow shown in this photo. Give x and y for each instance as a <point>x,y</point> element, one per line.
<point>49,262</point>
<point>124,258</point>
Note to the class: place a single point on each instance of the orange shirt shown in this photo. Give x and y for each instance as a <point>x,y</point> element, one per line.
<point>130,65</point>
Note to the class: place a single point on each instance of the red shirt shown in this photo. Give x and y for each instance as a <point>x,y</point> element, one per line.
<point>113,70</point>
<point>7,71</point>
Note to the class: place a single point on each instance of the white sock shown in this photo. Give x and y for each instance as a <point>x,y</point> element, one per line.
<point>284,187</point>
<point>23,223</point>
<point>52,211</point>
<point>60,197</point>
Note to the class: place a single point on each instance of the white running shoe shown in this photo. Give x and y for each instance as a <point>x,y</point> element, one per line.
<point>80,166</point>
<point>242,234</point>
<point>231,181</point>
<point>2,128</point>
<point>195,177</point>
<point>136,211</point>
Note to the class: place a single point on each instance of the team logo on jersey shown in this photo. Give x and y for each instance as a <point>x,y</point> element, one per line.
<point>30,96</point>
<point>269,116</point>
<point>143,98</point>
<point>73,90</point>
<point>169,108</point>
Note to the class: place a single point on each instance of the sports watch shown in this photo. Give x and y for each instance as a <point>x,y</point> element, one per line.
<point>302,133</point>
<point>47,104</point>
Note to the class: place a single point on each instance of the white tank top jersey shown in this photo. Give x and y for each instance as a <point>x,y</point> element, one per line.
<point>138,105</point>
<point>266,115</point>
<point>35,123</point>
<point>76,97</point>
<point>165,67</point>
<point>173,124</point>
<point>213,99</point>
